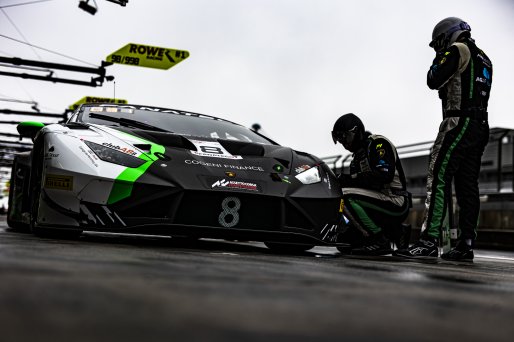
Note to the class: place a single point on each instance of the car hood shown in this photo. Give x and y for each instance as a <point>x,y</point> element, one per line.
<point>203,163</point>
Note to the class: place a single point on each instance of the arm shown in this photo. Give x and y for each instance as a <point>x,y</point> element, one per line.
<point>444,66</point>
<point>382,165</point>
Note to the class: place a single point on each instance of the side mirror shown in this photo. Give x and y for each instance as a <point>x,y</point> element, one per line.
<point>29,129</point>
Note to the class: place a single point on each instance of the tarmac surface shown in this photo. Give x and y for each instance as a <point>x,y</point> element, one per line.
<point>106,287</point>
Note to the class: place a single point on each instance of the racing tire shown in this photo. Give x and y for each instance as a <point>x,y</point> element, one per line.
<point>35,195</point>
<point>287,248</point>
<point>13,224</point>
<point>35,184</point>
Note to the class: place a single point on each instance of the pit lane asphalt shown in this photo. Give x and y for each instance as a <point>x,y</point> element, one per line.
<point>119,288</point>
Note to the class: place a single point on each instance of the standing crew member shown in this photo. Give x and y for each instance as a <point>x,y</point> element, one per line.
<point>374,193</point>
<point>463,74</point>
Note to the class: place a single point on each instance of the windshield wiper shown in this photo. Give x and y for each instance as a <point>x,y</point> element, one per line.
<point>128,122</point>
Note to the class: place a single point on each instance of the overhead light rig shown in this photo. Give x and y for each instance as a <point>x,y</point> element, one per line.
<point>94,82</point>
<point>93,7</point>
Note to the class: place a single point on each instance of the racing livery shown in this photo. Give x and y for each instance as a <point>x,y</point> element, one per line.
<point>134,169</point>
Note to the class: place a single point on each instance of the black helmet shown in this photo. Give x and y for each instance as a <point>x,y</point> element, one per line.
<point>348,130</point>
<point>447,31</point>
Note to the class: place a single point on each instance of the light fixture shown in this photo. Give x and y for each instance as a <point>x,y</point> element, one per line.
<point>84,4</point>
<point>120,2</point>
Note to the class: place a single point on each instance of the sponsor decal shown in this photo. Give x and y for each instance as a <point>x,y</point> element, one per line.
<point>59,182</point>
<point>225,166</point>
<point>212,149</point>
<point>302,168</point>
<point>90,155</point>
<point>381,152</point>
<point>50,154</point>
<point>126,150</point>
<point>147,56</point>
<point>233,184</point>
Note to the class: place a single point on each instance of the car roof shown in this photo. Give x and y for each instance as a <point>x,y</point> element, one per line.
<point>157,109</point>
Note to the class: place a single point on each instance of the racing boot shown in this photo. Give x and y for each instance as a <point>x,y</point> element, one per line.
<point>425,248</point>
<point>461,252</point>
<point>376,244</point>
<point>349,239</point>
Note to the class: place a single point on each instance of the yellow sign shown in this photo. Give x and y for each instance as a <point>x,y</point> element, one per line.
<point>59,182</point>
<point>93,99</point>
<point>147,56</point>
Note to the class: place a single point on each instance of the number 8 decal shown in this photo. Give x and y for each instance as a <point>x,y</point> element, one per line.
<point>230,206</point>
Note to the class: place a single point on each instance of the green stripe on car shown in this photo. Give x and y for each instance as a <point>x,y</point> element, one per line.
<point>123,184</point>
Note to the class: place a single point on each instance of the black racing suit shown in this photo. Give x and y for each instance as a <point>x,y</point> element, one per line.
<point>463,76</point>
<point>374,193</point>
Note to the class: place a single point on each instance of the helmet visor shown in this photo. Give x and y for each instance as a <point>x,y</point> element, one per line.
<point>344,137</point>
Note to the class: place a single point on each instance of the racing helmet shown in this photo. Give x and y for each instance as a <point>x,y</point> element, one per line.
<point>447,31</point>
<point>348,130</point>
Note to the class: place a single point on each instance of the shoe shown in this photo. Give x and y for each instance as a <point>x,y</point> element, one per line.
<point>425,248</point>
<point>376,244</point>
<point>461,252</point>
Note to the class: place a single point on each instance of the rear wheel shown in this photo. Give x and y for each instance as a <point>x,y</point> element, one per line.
<point>287,247</point>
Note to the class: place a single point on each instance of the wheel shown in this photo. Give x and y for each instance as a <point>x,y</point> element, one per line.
<point>35,183</point>
<point>14,208</point>
<point>35,194</point>
<point>287,247</point>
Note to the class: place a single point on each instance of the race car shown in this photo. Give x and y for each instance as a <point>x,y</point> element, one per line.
<point>148,170</point>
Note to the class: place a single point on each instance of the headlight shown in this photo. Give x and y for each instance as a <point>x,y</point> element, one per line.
<point>112,156</point>
<point>309,176</point>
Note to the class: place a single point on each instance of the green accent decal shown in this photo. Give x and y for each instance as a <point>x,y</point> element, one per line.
<point>122,187</point>
<point>472,80</point>
<point>439,208</point>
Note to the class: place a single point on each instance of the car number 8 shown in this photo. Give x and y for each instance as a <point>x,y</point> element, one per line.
<point>230,206</point>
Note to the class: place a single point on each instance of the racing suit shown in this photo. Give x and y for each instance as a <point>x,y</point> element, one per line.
<point>463,75</point>
<point>374,193</point>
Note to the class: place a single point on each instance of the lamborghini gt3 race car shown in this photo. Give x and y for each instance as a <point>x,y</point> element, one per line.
<point>145,170</point>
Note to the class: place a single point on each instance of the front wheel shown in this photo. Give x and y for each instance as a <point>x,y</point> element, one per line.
<point>287,247</point>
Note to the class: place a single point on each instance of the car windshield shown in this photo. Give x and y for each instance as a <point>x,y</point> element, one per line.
<point>173,121</point>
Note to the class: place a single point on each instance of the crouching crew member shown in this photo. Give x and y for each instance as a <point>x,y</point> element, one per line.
<point>376,201</point>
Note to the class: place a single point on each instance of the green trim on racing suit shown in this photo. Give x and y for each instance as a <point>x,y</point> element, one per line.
<point>439,195</point>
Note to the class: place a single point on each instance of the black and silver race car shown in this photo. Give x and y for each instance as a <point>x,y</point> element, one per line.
<point>147,170</point>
